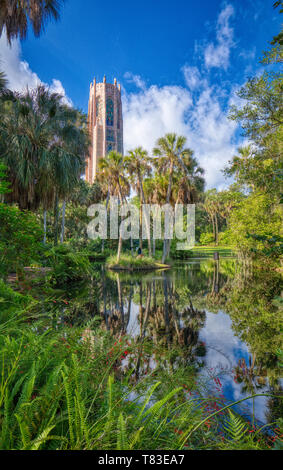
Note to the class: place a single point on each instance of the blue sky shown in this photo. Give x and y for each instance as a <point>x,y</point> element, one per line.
<point>179,64</point>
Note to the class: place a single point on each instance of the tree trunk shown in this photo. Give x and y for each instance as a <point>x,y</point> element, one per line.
<point>147,222</point>
<point>120,231</point>
<point>165,243</point>
<point>63,222</point>
<point>140,232</point>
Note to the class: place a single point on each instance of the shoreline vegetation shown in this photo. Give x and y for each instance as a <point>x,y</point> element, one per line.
<point>132,263</point>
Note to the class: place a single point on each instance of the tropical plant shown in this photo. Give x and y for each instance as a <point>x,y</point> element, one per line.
<point>138,166</point>
<point>67,265</point>
<point>4,185</point>
<point>171,153</point>
<point>15,16</point>
<point>20,240</point>
<point>113,168</point>
<point>44,147</point>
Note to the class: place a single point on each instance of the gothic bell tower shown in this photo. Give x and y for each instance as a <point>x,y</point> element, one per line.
<point>105,124</point>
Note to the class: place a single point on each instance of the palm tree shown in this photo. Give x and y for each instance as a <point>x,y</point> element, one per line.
<point>3,82</point>
<point>45,144</point>
<point>113,166</point>
<point>171,152</point>
<point>155,190</point>
<point>15,15</point>
<point>187,190</point>
<point>138,166</point>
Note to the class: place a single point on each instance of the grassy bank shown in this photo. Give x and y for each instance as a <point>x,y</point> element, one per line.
<point>208,251</point>
<point>132,263</point>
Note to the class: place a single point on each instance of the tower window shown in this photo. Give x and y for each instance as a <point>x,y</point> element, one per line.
<point>110,135</point>
<point>109,112</point>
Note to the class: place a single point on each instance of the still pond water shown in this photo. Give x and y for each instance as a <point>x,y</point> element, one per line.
<point>221,317</point>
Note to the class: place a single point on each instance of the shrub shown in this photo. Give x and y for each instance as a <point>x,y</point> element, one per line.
<point>206,239</point>
<point>67,266</point>
<point>20,240</point>
<point>255,221</point>
<point>131,262</point>
<point>224,238</point>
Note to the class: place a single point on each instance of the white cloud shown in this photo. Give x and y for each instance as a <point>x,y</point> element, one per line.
<point>199,116</point>
<point>192,77</point>
<point>18,72</point>
<point>136,79</point>
<point>198,110</point>
<point>57,87</point>
<point>151,113</point>
<point>218,54</point>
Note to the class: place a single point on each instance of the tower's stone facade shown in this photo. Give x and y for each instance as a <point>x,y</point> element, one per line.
<point>105,121</point>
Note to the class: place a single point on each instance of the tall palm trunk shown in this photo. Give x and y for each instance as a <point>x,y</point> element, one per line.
<point>140,228</point>
<point>147,222</point>
<point>165,243</point>
<point>120,229</point>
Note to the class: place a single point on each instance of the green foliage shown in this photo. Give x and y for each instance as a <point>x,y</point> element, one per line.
<point>256,312</point>
<point>67,265</point>
<point>15,18</point>
<point>20,237</point>
<point>273,245</point>
<point>207,239</point>
<point>255,219</point>
<point>225,238</point>
<point>43,144</point>
<point>130,262</point>
<point>235,427</point>
<point>4,185</point>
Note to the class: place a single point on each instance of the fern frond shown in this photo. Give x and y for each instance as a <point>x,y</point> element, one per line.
<point>135,439</point>
<point>235,427</point>
<point>70,405</point>
<point>43,437</point>
<point>145,403</point>
<point>122,441</point>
